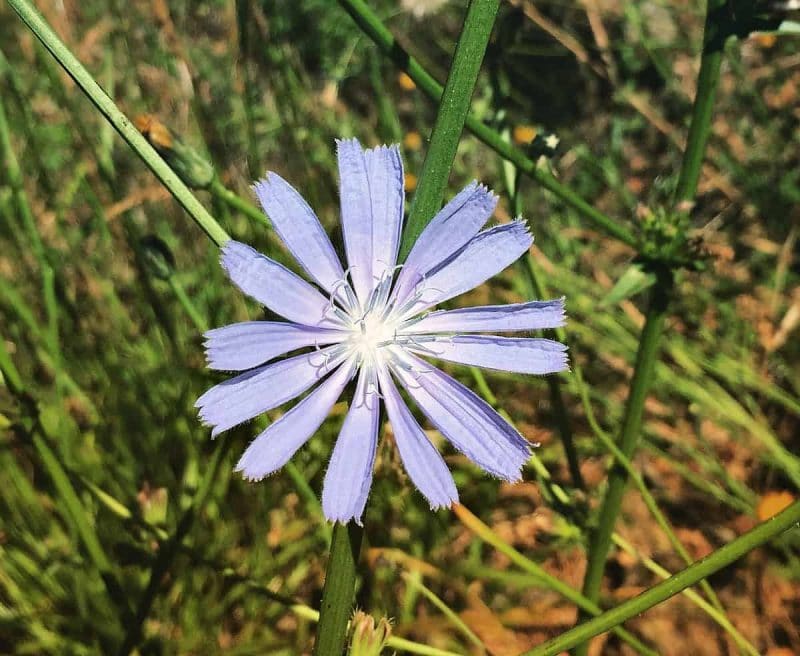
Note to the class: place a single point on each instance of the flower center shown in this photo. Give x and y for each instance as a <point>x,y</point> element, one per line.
<point>369,333</point>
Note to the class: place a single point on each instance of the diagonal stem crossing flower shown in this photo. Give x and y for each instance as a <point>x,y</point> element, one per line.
<point>371,321</point>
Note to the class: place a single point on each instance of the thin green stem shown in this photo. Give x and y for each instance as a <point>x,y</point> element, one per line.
<point>72,506</point>
<point>236,202</point>
<point>337,594</point>
<point>712,611</point>
<point>372,26</point>
<point>169,549</point>
<point>453,108</point>
<point>714,38</point>
<point>704,568</point>
<point>638,481</point>
<point>537,290</point>
<point>121,123</point>
<point>546,579</point>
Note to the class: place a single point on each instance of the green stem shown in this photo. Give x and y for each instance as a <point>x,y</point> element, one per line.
<point>656,312</point>
<point>631,429</point>
<point>712,611</point>
<point>546,579</point>
<point>121,123</point>
<point>372,26</point>
<point>235,201</point>
<point>169,549</point>
<point>73,508</point>
<point>714,38</point>
<point>537,290</point>
<point>453,108</point>
<point>704,568</point>
<point>638,481</point>
<point>340,574</point>
<point>337,594</point>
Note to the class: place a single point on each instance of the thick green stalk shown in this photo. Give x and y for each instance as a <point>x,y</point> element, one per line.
<point>656,313</point>
<point>453,108</point>
<point>337,594</point>
<point>721,558</point>
<point>121,123</point>
<point>372,26</point>
<point>631,430</point>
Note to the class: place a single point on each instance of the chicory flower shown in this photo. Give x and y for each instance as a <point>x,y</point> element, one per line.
<point>373,322</point>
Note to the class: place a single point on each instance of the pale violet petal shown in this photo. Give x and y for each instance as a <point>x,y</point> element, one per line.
<point>356,210</point>
<point>300,230</point>
<point>385,175</point>
<point>248,344</point>
<point>483,257</point>
<point>349,475</point>
<point>423,463</point>
<point>249,394</point>
<point>533,315</point>
<point>273,285</point>
<point>453,227</point>
<point>273,448</point>
<point>517,354</point>
<point>467,421</point>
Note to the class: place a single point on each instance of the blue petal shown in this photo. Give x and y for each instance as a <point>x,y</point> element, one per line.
<point>249,394</point>
<point>493,318</point>
<point>248,344</point>
<point>453,227</point>
<point>483,257</point>
<point>356,212</point>
<point>349,475</point>
<point>300,229</point>
<point>471,425</point>
<point>518,354</point>
<point>273,285</point>
<point>273,448</point>
<point>371,196</point>
<point>424,464</point>
<point>385,175</point>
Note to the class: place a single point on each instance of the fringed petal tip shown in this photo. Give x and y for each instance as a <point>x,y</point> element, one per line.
<point>354,142</point>
<point>344,519</point>
<point>525,229</point>
<point>247,471</point>
<point>442,504</point>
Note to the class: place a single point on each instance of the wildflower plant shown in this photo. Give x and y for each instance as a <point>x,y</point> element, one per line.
<point>374,322</point>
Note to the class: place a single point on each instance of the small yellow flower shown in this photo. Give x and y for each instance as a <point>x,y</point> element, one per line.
<point>766,40</point>
<point>405,82</point>
<point>772,503</point>
<point>410,181</point>
<point>412,141</point>
<point>523,134</point>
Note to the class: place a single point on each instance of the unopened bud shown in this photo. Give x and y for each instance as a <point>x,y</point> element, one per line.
<point>191,167</point>
<point>368,639</point>
<point>157,257</point>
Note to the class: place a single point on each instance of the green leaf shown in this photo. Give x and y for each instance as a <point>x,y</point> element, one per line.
<point>634,281</point>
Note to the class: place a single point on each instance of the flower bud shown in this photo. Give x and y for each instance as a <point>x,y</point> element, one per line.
<point>191,167</point>
<point>368,639</point>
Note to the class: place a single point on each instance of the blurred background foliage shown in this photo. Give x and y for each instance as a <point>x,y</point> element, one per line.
<point>106,288</point>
